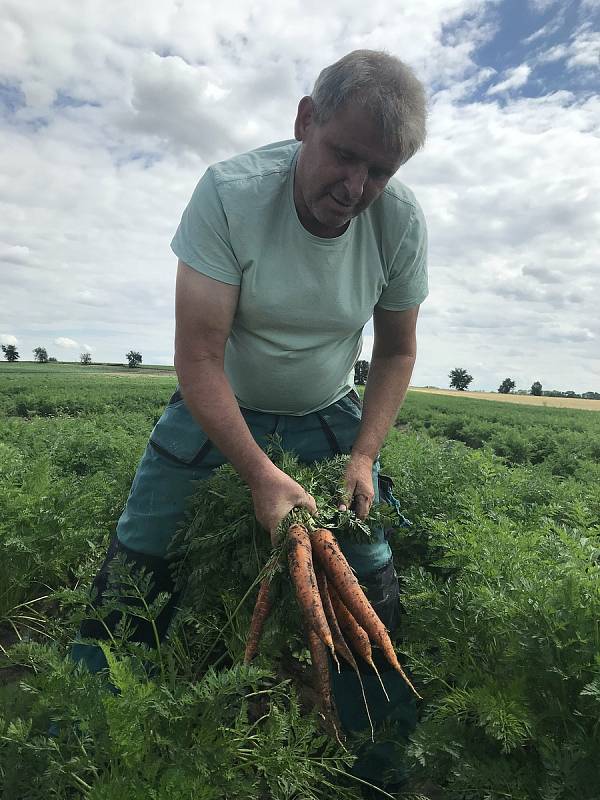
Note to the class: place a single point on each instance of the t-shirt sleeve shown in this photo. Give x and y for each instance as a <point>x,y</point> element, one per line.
<point>407,286</point>
<point>202,239</point>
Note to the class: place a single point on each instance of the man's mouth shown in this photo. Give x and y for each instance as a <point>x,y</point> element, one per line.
<point>340,203</point>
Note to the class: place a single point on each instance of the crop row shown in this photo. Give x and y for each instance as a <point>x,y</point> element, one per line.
<point>500,577</point>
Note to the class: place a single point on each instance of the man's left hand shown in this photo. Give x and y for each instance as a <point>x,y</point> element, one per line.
<point>358,484</point>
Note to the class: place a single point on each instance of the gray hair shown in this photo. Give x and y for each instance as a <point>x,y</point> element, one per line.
<point>384,85</point>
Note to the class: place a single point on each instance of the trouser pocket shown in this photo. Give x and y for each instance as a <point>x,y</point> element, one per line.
<point>178,438</point>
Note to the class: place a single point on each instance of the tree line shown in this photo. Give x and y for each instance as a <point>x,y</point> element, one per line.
<point>460,379</point>
<point>40,355</point>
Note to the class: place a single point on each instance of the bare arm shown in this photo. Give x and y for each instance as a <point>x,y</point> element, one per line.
<point>392,363</point>
<point>204,312</point>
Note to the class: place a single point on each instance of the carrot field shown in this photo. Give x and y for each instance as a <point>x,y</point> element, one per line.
<point>500,603</point>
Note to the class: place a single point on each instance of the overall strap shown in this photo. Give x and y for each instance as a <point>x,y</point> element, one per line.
<point>329,435</point>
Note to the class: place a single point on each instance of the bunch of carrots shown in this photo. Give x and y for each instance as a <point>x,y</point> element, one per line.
<point>336,613</point>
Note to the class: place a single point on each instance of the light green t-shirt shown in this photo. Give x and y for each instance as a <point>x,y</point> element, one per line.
<point>304,300</point>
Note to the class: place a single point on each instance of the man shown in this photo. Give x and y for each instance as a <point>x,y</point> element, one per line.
<point>284,254</point>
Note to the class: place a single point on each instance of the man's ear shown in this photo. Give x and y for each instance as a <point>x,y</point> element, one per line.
<point>304,118</point>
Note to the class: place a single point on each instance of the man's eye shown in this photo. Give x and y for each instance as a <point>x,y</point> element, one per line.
<point>343,156</point>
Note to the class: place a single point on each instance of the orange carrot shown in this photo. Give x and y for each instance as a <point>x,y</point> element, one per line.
<point>338,640</point>
<point>318,656</point>
<point>336,634</point>
<point>262,609</point>
<point>356,635</point>
<point>339,572</point>
<point>305,584</point>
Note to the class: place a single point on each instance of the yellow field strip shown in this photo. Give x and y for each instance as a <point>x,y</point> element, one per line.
<point>523,399</point>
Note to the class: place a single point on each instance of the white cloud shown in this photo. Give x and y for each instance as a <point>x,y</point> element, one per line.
<point>92,196</point>
<point>585,49</point>
<point>543,274</point>
<point>543,5</point>
<point>7,338</point>
<point>547,30</point>
<point>515,78</point>
<point>580,52</point>
<point>13,254</point>
<point>66,343</point>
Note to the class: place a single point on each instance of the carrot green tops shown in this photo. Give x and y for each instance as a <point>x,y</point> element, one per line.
<point>303,300</point>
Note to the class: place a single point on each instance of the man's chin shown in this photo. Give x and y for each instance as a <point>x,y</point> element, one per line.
<point>333,219</point>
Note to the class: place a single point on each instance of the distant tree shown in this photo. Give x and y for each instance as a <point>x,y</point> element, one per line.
<point>40,354</point>
<point>361,370</point>
<point>459,379</point>
<point>52,360</point>
<point>135,359</point>
<point>85,358</point>
<point>506,386</point>
<point>536,389</point>
<point>10,352</point>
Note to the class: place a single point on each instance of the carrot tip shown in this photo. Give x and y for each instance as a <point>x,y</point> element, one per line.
<point>372,664</point>
<point>408,682</point>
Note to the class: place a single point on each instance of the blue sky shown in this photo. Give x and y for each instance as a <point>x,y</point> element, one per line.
<point>108,119</point>
<point>528,35</point>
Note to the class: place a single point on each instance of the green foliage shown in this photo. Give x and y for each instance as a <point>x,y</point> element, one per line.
<point>536,389</point>
<point>64,480</point>
<point>134,358</point>
<point>564,442</point>
<point>502,603</point>
<point>10,352</point>
<point>459,378</point>
<point>361,372</point>
<point>40,355</point>
<point>500,594</point>
<point>233,733</point>
<point>221,554</point>
<point>506,386</point>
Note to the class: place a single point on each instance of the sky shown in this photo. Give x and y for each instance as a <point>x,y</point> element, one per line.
<point>110,112</point>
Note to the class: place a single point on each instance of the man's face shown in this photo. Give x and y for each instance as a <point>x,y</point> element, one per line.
<point>343,166</point>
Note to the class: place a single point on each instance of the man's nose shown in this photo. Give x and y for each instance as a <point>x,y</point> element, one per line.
<point>354,182</point>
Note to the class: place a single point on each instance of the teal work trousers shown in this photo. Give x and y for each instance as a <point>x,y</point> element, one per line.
<point>177,455</point>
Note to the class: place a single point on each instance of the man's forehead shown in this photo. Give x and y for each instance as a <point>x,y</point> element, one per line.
<point>354,130</point>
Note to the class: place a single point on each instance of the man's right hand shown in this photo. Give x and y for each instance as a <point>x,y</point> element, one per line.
<point>274,496</point>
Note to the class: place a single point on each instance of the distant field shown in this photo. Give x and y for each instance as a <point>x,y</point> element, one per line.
<point>525,399</point>
<point>72,367</point>
<point>164,371</point>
